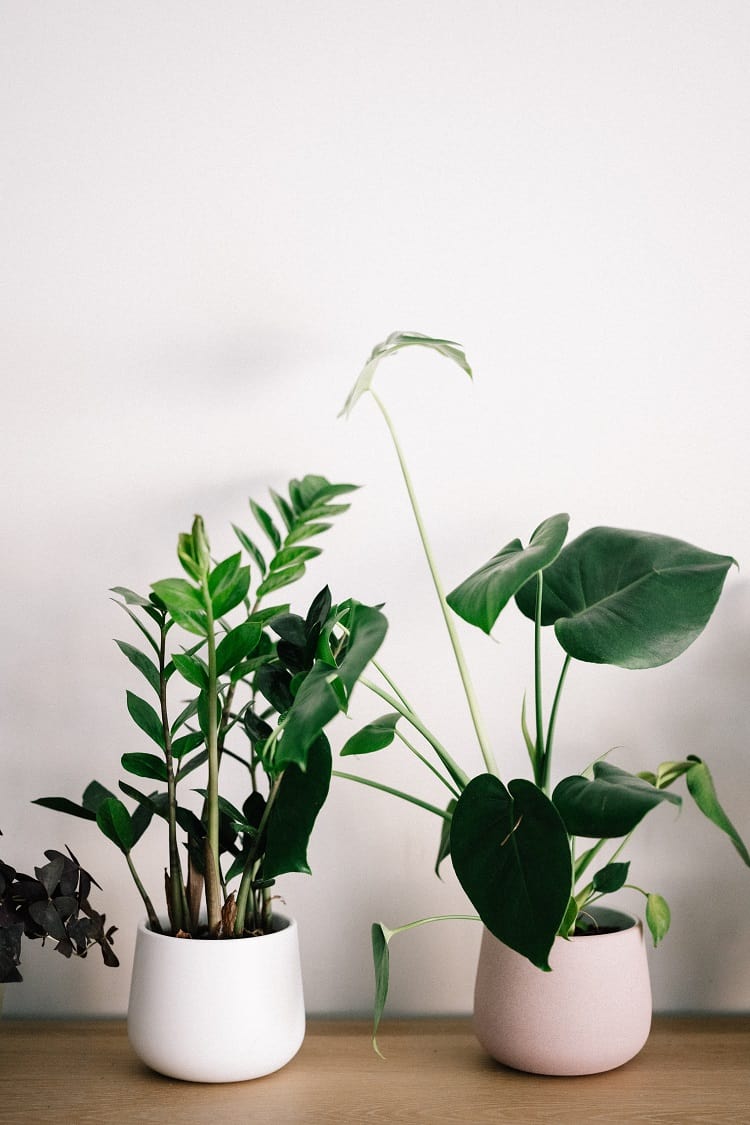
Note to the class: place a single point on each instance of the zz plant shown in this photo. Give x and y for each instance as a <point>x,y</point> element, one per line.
<point>531,854</point>
<point>262,685</point>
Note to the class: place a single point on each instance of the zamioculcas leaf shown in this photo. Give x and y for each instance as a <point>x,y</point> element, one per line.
<point>375,736</point>
<point>292,817</point>
<point>145,765</point>
<point>184,604</point>
<point>142,662</point>
<point>280,578</point>
<point>315,704</point>
<point>114,821</point>
<point>367,629</point>
<point>511,854</point>
<point>266,523</point>
<point>609,806</point>
<point>228,584</point>
<point>482,597</point>
<point>657,917</point>
<point>628,598</point>
<point>251,548</point>
<point>192,669</point>
<point>62,804</point>
<point>289,555</point>
<point>395,342</point>
<point>701,788</point>
<point>146,718</point>
<point>237,645</point>
<point>381,936</point>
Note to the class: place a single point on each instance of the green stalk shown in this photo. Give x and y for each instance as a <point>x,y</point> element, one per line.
<point>248,873</point>
<point>442,813</point>
<point>540,766</point>
<point>178,907</point>
<point>461,779</point>
<point>463,669</point>
<point>153,921</point>
<point>425,762</point>
<point>392,685</point>
<point>553,721</point>
<point>212,745</point>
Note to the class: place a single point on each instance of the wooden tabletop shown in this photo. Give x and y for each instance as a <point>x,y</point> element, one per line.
<point>691,1070</point>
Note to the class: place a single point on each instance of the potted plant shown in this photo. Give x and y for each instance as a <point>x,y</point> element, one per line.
<point>234,681</point>
<point>52,903</point>
<point>534,856</point>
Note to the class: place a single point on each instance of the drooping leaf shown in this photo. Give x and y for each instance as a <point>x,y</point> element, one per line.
<point>146,718</point>
<point>292,817</point>
<point>701,788</point>
<point>395,342</point>
<point>658,917</point>
<point>444,847</point>
<point>192,669</point>
<point>511,854</point>
<point>609,806</point>
<point>629,598</point>
<point>375,736</point>
<point>381,936</point>
<point>114,821</point>
<point>62,804</point>
<point>481,598</point>
<point>142,662</point>
<point>145,765</point>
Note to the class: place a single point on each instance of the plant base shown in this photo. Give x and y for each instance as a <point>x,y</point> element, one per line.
<point>217,1011</point>
<point>590,1014</point>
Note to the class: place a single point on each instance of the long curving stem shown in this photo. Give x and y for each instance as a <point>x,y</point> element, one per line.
<point>463,669</point>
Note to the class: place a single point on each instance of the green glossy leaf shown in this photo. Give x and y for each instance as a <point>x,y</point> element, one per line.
<point>228,584</point>
<point>184,603</point>
<point>315,704</point>
<point>629,598</point>
<point>192,669</point>
<point>252,550</point>
<point>290,627</point>
<point>146,718</point>
<point>145,765</point>
<point>283,508</point>
<point>381,936</point>
<point>367,629</point>
<point>658,917</point>
<point>290,822</point>
<point>444,847</point>
<point>609,806</point>
<point>511,854</point>
<point>280,578</point>
<point>142,662</point>
<point>306,531</point>
<point>266,523</point>
<point>482,597</point>
<point>610,878</point>
<point>238,644</point>
<point>62,804</point>
<point>94,794</point>
<point>114,821</point>
<point>375,736</point>
<point>701,788</point>
<point>130,597</point>
<point>289,556</point>
<point>394,343</point>
<point>569,919</point>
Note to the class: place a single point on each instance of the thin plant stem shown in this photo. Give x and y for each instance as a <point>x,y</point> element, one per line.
<point>153,920</point>
<point>442,813</point>
<point>453,768</point>
<point>248,873</point>
<point>392,685</point>
<point>426,762</point>
<point>553,721</point>
<point>463,669</point>
<point>212,745</point>
<point>178,906</point>
<point>539,766</point>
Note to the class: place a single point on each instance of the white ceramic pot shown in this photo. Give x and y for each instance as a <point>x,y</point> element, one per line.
<point>217,1011</point>
<point>591,1013</point>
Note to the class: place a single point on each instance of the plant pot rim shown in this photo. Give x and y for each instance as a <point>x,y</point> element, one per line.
<point>617,921</point>
<point>282,924</point>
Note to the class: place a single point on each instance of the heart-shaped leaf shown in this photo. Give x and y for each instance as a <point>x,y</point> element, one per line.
<point>511,854</point>
<point>609,806</point>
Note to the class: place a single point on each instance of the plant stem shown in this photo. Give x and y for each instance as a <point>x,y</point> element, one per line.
<point>153,921</point>
<point>392,685</point>
<point>248,873</point>
<point>178,907</point>
<point>461,779</point>
<point>463,669</point>
<point>426,762</point>
<point>212,745</point>
<point>442,813</point>
<point>540,767</point>
<point>553,721</point>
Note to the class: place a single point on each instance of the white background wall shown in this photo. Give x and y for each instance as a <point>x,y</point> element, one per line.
<point>211,213</point>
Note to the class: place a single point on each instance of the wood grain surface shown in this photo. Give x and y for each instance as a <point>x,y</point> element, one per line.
<point>691,1070</point>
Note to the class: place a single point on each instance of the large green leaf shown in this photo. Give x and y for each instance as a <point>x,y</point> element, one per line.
<point>292,817</point>
<point>484,594</point>
<point>629,598</point>
<point>511,854</point>
<point>609,806</point>
<point>701,788</point>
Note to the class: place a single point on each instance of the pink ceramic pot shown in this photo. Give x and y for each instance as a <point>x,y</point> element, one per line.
<point>591,1013</point>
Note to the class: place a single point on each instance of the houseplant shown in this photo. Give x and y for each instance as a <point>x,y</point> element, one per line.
<point>626,598</point>
<point>262,684</point>
<point>52,903</point>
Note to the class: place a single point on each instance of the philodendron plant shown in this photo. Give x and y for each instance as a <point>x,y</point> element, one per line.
<point>262,683</point>
<point>532,856</point>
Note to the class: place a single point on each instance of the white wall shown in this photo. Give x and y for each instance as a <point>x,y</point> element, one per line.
<point>211,212</point>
